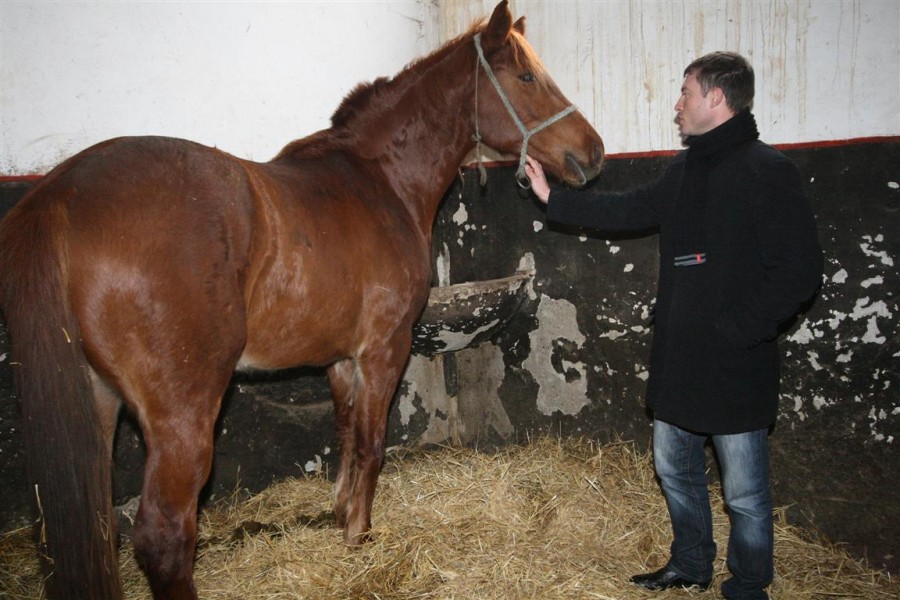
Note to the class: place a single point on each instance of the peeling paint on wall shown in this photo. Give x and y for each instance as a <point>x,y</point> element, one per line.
<point>562,382</point>
<point>860,321</point>
<point>422,389</point>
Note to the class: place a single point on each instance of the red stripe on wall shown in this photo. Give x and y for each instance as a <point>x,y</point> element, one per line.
<point>19,178</point>
<point>886,139</point>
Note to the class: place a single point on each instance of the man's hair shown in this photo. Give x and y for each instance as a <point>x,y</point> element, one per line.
<point>729,71</point>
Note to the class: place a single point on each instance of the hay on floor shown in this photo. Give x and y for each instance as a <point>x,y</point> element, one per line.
<point>554,519</point>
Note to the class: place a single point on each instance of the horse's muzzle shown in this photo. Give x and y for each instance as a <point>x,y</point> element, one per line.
<point>581,173</point>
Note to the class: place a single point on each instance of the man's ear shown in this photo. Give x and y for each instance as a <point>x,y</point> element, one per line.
<point>717,97</point>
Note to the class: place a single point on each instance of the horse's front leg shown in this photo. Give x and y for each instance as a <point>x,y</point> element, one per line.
<point>375,380</point>
<point>344,385</point>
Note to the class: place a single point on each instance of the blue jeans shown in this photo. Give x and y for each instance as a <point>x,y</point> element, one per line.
<point>680,463</point>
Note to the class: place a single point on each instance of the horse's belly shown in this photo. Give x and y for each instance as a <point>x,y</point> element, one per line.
<point>323,328</point>
<point>286,346</point>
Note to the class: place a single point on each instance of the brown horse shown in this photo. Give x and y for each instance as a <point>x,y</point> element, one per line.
<point>144,271</point>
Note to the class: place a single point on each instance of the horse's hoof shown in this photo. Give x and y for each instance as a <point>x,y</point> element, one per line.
<point>358,539</point>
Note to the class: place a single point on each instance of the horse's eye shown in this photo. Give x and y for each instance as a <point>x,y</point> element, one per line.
<point>527,77</point>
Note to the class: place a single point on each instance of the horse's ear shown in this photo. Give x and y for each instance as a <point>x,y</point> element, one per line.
<point>520,25</point>
<point>497,30</point>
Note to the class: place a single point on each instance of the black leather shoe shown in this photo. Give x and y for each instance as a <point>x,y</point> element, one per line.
<point>665,579</point>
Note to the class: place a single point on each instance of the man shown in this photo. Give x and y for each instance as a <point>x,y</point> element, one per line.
<point>739,256</point>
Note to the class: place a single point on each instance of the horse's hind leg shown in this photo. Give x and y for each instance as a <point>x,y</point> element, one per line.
<point>107,404</point>
<point>179,457</point>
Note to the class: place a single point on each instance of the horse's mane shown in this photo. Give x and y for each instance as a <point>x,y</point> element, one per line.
<point>383,91</point>
<point>360,98</point>
<point>364,94</point>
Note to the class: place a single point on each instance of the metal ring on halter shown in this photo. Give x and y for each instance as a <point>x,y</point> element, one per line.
<point>526,133</point>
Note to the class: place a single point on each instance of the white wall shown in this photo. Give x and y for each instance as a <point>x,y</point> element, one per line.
<point>247,77</point>
<point>825,69</point>
<point>250,76</point>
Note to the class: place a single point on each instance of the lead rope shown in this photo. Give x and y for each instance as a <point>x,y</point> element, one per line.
<point>482,172</point>
<point>521,179</point>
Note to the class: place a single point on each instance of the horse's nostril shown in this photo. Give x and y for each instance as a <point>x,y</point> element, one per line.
<point>577,170</point>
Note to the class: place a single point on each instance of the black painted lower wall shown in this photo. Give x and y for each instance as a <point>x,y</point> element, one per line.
<point>572,360</point>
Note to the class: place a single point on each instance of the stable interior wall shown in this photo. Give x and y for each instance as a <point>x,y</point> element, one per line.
<point>248,77</point>
<point>572,360</point>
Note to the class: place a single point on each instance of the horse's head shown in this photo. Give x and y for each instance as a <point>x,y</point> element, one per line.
<point>519,108</point>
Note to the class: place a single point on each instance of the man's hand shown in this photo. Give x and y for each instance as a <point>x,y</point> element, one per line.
<point>535,172</point>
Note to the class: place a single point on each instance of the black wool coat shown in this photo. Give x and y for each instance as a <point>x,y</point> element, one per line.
<point>714,365</point>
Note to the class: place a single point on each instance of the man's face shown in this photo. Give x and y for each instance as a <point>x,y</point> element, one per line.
<point>695,111</point>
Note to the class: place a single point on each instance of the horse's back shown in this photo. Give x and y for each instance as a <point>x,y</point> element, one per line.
<point>290,262</point>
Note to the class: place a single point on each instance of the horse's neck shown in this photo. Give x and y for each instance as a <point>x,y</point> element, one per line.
<point>421,139</point>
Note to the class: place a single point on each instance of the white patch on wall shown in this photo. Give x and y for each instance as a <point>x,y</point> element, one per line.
<point>798,406</point>
<point>882,255</point>
<point>872,335</point>
<point>628,268</point>
<point>641,372</point>
<point>537,226</point>
<point>875,417</point>
<point>460,218</point>
<point>459,339</point>
<point>461,215</point>
<point>526,264</point>
<point>442,266</point>
<point>424,379</point>
<point>613,334</point>
<point>893,185</point>
<point>813,358</point>
<point>803,335</point>
<point>313,466</point>
<point>405,403</point>
<point>836,319</point>
<point>872,281</point>
<point>556,321</point>
<point>873,311</point>
<point>840,276</point>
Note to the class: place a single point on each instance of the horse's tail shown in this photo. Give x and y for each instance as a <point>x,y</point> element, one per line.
<point>68,461</point>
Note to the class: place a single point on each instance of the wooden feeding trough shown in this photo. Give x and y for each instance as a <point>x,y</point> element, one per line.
<point>466,314</point>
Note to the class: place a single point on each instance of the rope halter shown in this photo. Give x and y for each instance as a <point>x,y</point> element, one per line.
<point>521,178</point>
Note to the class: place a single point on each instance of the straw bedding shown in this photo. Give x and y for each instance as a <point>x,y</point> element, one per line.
<point>552,519</point>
